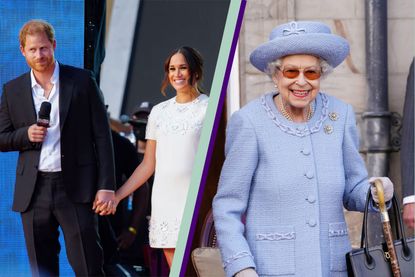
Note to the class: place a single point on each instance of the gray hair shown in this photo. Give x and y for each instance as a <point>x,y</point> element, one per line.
<point>272,68</point>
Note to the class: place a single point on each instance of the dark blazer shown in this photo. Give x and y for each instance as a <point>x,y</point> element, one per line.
<point>407,149</point>
<point>86,148</point>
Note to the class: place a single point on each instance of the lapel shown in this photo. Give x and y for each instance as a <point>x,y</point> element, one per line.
<point>24,93</point>
<point>66,87</point>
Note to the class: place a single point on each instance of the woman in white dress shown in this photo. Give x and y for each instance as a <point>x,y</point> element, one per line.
<point>172,134</point>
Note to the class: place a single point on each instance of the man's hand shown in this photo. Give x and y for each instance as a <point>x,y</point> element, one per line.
<point>409,215</point>
<point>36,133</point>
<point>104,203</point>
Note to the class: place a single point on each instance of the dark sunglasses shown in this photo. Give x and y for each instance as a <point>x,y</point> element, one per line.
<point>309,73</point>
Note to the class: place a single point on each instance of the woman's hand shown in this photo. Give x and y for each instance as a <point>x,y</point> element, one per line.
<point>112,207</point>
<point>387,188</point>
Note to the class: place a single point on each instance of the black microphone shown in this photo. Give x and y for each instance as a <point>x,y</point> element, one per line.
<point>44,114</point>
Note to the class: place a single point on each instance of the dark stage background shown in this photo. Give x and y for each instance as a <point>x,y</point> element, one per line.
<point>163,26</point>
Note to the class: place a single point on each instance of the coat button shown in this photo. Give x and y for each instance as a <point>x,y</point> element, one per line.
<point>309,174</point>
<point>311,199</point>
<point>312,222</point>
<point>305,151</point>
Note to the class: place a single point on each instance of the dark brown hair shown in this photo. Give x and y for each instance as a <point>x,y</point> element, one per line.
<point>195,62</point>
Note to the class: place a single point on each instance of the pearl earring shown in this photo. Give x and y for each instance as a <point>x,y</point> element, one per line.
<point>276,88</point>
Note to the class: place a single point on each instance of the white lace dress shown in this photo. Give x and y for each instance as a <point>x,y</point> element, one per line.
<point>176,129</point>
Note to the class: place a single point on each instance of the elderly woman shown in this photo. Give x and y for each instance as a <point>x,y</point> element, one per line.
<point>292,163</point>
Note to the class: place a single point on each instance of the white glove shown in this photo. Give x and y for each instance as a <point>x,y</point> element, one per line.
<point>387,188</point>
<point>247,272</point>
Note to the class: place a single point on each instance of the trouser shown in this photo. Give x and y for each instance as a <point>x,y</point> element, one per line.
<point>50,208</point>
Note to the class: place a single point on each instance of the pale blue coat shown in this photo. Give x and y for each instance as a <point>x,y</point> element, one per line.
<point>291,180</point>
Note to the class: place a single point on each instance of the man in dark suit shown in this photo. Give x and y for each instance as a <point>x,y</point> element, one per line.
<point>407,152</point>
<point>61,169</point>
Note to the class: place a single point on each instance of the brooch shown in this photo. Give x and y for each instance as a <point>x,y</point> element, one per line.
<point>333,116</point>
<point>293,30</point>
<point>328,129</point>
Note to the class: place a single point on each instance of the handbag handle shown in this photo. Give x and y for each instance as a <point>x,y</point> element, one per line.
<point>400,231</point>
<point>398,227</point>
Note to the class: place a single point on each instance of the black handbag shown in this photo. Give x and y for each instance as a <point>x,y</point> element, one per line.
<point>375,260</point>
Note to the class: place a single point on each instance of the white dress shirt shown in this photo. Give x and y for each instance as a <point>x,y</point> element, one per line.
<point>50,154</point>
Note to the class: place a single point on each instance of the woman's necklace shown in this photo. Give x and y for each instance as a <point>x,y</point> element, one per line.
<point>287,114</point>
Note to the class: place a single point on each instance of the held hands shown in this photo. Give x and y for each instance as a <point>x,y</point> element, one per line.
<point>105,202</point>
<point>387,188</point>
<point>36,133</point>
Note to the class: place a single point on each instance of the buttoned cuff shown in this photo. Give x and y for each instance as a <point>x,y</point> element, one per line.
<point>247,272</point>
<point>409,199</point>
<point>236,265</point>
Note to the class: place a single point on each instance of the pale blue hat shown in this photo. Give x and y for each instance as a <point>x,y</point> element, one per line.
<point>301,37</point>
